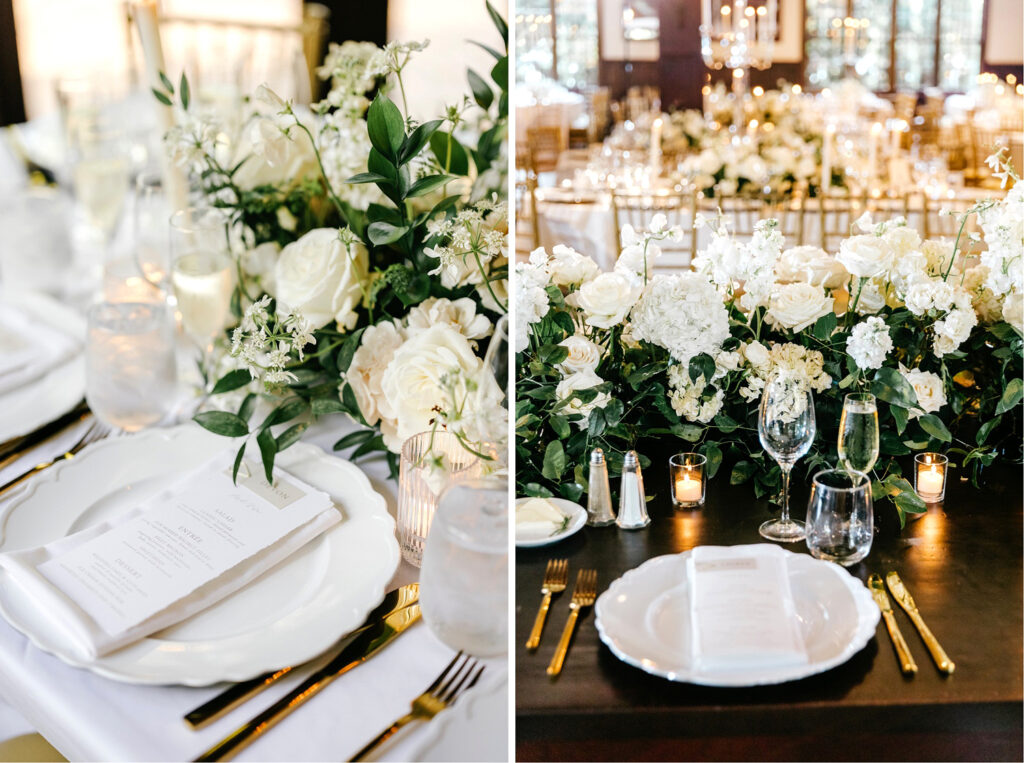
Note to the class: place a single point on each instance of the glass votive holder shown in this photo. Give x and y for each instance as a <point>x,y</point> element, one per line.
<point>687,480</point>
<point>430,462</point>
<point>930,476</point>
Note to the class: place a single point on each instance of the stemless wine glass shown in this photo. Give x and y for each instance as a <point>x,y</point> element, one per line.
<point>840,519</point>
<point>130,367</point>
<point>464,579</point>
<point>786,427</point>
<point>858,432</point>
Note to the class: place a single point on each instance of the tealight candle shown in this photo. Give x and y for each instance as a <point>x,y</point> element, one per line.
<point>930,476</point>
<point>686,480</point>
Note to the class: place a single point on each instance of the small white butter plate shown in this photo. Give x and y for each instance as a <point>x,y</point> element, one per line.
<point>576,514</point>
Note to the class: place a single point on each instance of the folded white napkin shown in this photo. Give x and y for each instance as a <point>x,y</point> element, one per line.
<point>538,518</point>
<point>29,348</point>
<point>86,626</point>
<point>742,614</point>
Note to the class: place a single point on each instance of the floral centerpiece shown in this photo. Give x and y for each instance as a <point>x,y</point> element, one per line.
<point>370,252</point>
<point>608,358</point>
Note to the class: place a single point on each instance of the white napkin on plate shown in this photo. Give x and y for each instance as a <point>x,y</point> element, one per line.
<point>742,614</point>
<point>84,633</point>
<point>29,348</point>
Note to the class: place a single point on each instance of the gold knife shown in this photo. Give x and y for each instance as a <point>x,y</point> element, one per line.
<point>907,664</point>
<point>393,601</point>
<point>355,654</point>
<point>902,595</point>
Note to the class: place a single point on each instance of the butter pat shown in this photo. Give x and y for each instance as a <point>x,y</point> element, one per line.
<point>538,517</point>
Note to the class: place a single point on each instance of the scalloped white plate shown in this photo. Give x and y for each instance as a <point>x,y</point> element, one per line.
<point>55,392</point>
<point>643,618</point>
<point>289,615</point>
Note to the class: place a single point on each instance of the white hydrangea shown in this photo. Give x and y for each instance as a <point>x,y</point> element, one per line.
<point>682,313</point>
<point>531,300</point>
<point>869,343</point>
<point>695,401</point>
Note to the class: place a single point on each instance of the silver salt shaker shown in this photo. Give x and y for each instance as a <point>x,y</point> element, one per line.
<point>599,495</point>
<point>632,502</point>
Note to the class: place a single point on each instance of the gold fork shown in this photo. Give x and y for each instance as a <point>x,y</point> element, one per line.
<point>555,577</point>
<point>96,431</point>
<point>583,595</point>
<point>461,674</point>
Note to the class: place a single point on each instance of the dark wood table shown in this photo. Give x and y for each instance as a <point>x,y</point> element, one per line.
<point>962,562</point>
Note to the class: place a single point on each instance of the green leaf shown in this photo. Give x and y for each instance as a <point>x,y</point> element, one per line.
<point>348,350</point>
<point>248,406</point>
<point>386,127</point>
<point>571,491</point>
<point>554,460</point>
<point>374,443</point>
<point>500,73</point>
<point>161,97</point>
<point>486,48</point>
<point>933,425</point>
<point>535,490</point>
<point>713,454</point>
<point>348,397</point>
<point>613,412</point>
<point>385,233</point>
<point>425,185</point>
<point>1011,396</point>
<point>553,354</point>
<point>238,462</point>
<point>323,406</point>
<point>232,380</point>
<point>290,436</point>
<point>742,472</point>
<point>367,177</point>
<point>185,94</point>
<point>167,82</point>
<point>825,325</point>
<point>986,429</point>
<point>900,417</point>
<point>268,450</point>
<point>910,502</point>
<point>848,380</point>
<point>354,438</point>
<point>417,139</point>
<point>561,426</point>
<point>287,411</point>
<point>499,22</point>
<point>482,92</point>
<point>702,364</point>
<point>458,164</point>
<point>890,386</point>
<point>378,164</point>
<point>222,423</point>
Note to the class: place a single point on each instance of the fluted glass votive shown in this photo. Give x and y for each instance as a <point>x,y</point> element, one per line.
<point>687,480</point>
<point>430,462</point>
<point>930,476</point>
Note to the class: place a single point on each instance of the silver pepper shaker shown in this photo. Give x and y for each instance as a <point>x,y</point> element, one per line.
<point>632,502</point>
<point>599,495</point>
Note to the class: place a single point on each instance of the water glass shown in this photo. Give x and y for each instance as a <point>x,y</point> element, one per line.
<point>840,518</point>
<point>464,581</point>
<point>430,462</point>
<point>858,432</point>
<point>131,377</point>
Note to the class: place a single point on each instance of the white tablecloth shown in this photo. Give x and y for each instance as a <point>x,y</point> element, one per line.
<point>87,717</point>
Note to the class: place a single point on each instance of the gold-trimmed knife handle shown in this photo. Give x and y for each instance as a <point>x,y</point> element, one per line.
<point>907,664</point>
<point>942,660</point>
<point>563,643</point>
<point>538,624</point>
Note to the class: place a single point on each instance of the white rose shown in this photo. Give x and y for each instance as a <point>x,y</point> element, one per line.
<point>798,306</point>
<point>928,388</point>
<point>571,384</point>
<point>460,314</point>
<point>865,256</point>
<point>607,299</point>
<point>418,378</point>
<point>872,298</point>
<point>569,267</point>
<point>322,278</point>
<point>1013,311</point>
<point>903,239</point>
<point>757,354</point>
<point>810,264</point>
<point>377,347</point>
<point>584,355</point>
<point>271,157</point>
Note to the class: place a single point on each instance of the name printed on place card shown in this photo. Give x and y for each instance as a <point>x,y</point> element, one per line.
<point>181,540</point>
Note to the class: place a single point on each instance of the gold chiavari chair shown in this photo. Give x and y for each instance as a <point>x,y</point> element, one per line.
<point>679,208</point>
<point>543,147</point>
<point>525,235</point>
<point>984,142</point>
<point>792,216</point>
<point>938,225</point>
<point>889,206</point>
<point>836,216</point>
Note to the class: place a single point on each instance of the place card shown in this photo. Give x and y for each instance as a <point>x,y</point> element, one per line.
<point>742,613</point>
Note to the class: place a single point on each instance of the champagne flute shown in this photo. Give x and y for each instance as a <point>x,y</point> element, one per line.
<point>100,171</point>
<point>786,428</point>
<point>152,213</point>
<point>858,432</point>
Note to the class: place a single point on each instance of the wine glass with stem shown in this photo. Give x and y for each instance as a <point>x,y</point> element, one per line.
<point>786,428</point>
<point>858,432</point>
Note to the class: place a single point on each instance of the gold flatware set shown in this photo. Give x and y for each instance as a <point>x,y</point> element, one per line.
<point>905,600</point>
<point>556,577</point>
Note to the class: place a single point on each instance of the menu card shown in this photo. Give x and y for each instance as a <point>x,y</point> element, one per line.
<point>742,613</point>
<point>174,555</point>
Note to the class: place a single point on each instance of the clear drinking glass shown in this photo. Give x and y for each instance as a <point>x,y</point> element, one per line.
<point>464,580</point>
<point>100,167</point>
<point>786,428</point>
<point>430,462</point>
<point>152,214</point>
<point>840,519</point>
<point>131,374</point>
<point>858,432</point>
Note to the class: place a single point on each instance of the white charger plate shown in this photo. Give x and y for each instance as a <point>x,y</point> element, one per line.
<point>643,617</point>
<point>577,518</point>
<point>59,390</point>
<point>291,614</point>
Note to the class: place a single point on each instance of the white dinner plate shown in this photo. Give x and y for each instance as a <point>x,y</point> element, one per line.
<point>59,390</point>
<point>577,518</point>
<point>292,613</point>
<point>643,617</point>
<point>475,728</point>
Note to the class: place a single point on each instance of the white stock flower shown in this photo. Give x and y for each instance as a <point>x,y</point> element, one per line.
<point>797,306</point>
<point>377,347</point>
<point>569,267</point>
<point>267,96</point>
<point>953,330</point>
<point>607,299</point>
<point>865,256</point>
<point>460,314</point>
<point>869,343</point>
<point>531,300</point>
<point>584,355</point>
<point>637,261</point>
<point>682,313</point>
<point>567,388</point>
<point>928,387</point>
<point>810,264</point>
<point>322,277</point>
